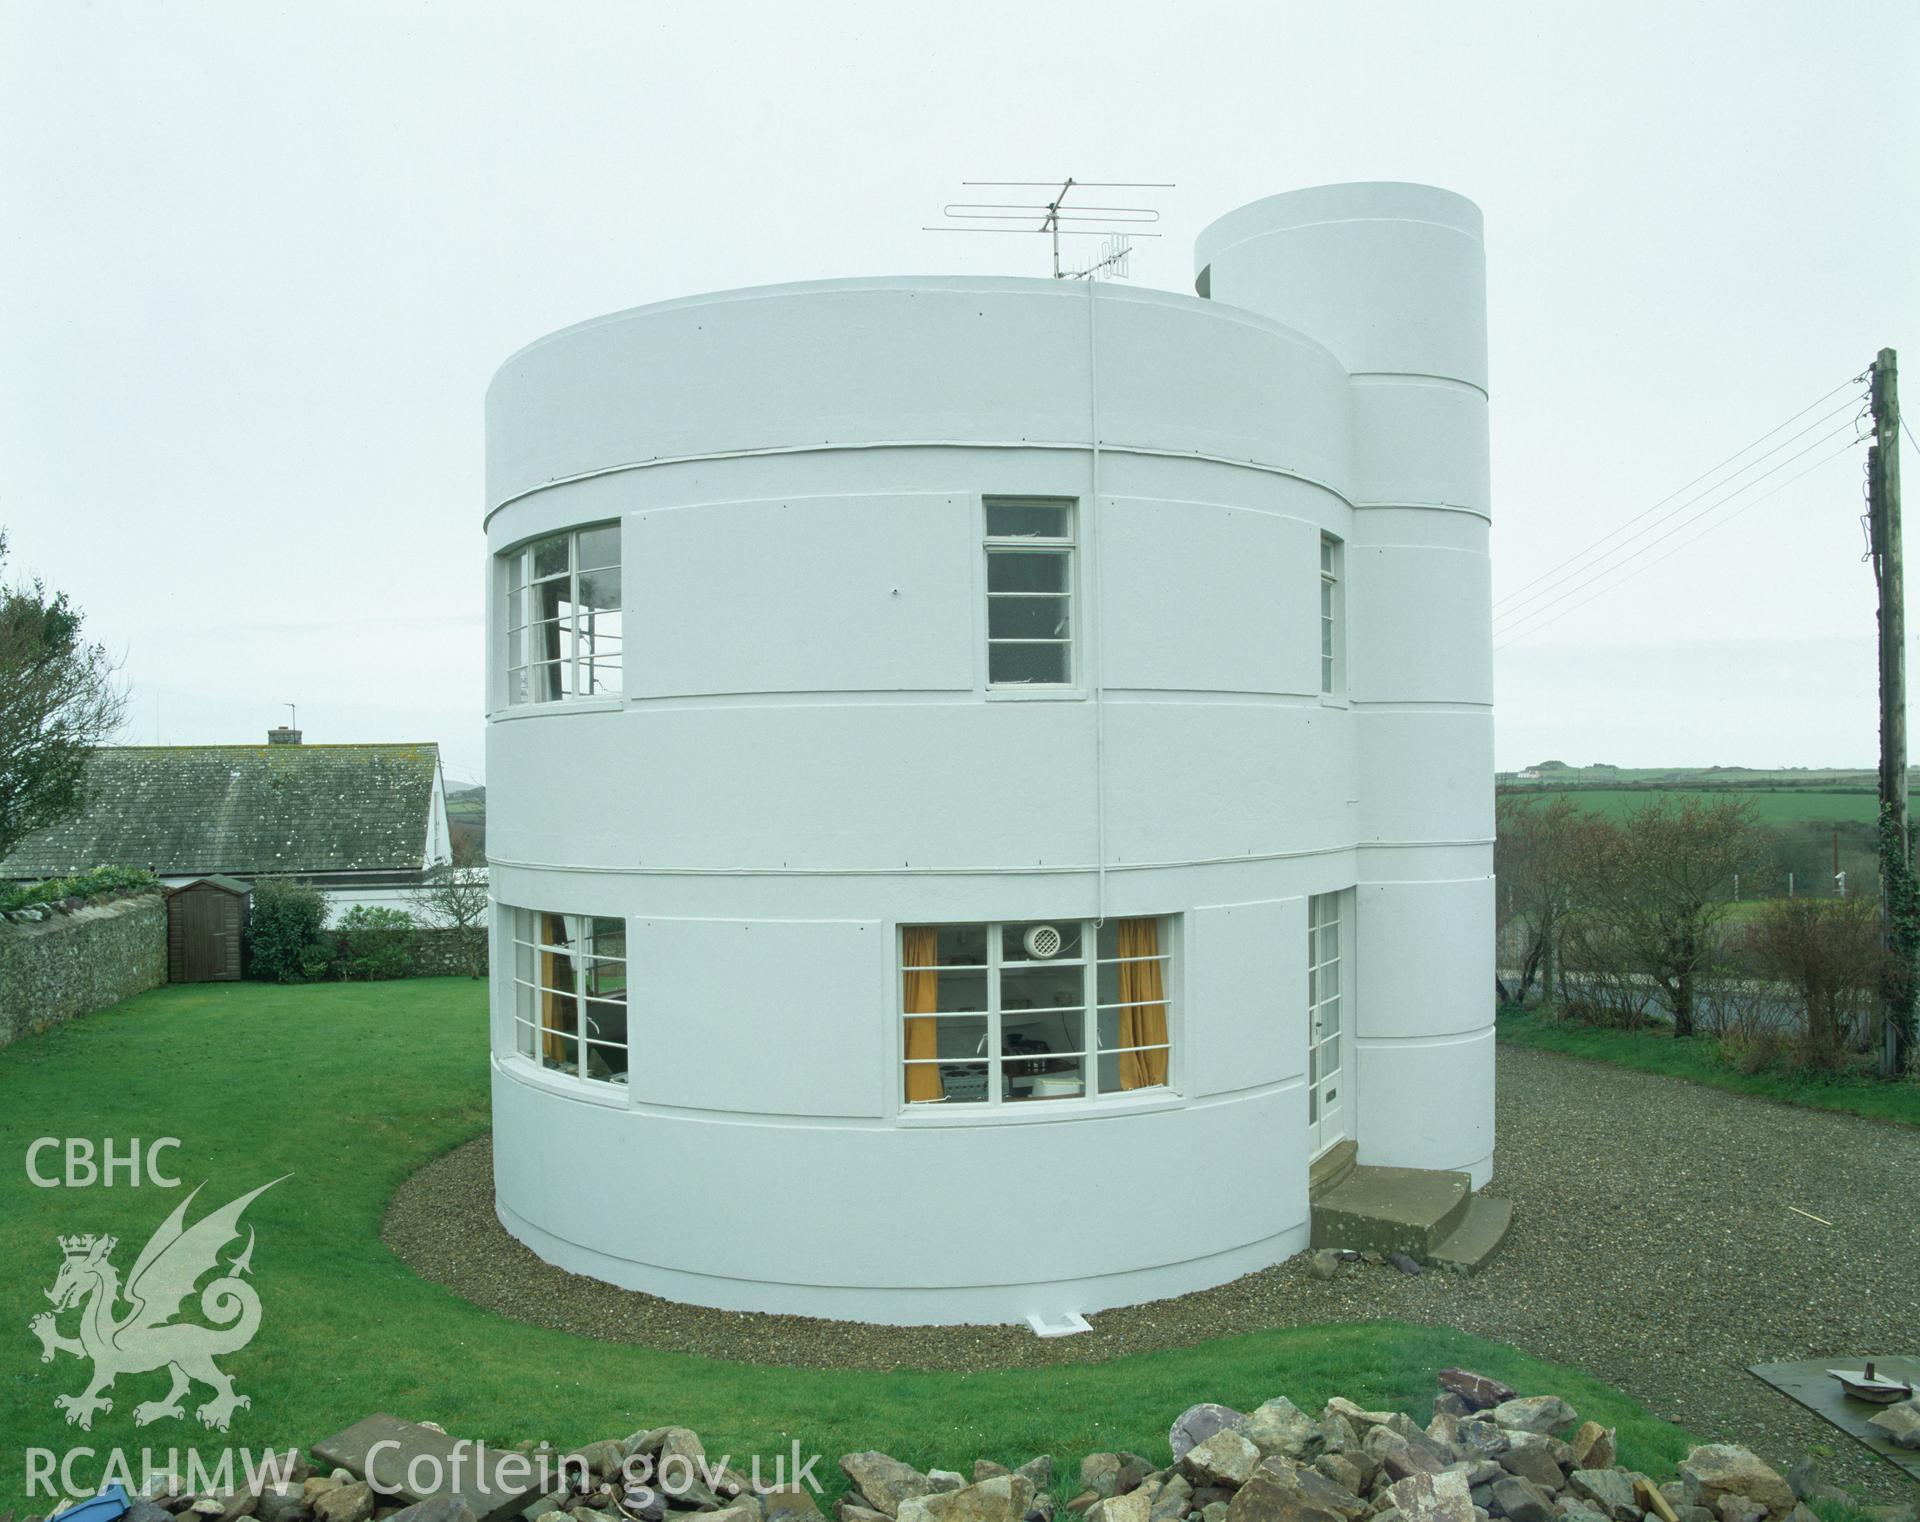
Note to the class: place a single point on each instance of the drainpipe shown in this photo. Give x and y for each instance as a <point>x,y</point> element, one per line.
<point>1095,683</point>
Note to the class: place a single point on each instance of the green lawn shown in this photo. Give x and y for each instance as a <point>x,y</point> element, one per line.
<point>1700,1061</point>
<point>348,1088</point>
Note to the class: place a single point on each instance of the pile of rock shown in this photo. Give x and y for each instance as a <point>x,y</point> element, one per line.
<point>882,1489</point>
<point>299,1495</point>
<point>658,1475</point>
<point>1488,1453</point>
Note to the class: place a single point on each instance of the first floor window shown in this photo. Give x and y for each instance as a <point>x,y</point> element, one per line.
<point>1329,614</point>
<point>563,619</point>
<point>1029,592</point>
<point>1016,1012</point>
<point>570,993</point>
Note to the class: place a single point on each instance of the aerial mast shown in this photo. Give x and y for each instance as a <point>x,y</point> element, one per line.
<point>1118,225</point>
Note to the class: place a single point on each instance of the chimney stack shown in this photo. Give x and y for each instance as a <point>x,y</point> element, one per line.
<point>282,734</point>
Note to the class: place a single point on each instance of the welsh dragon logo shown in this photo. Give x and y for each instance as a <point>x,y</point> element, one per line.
<point>145,1336</point>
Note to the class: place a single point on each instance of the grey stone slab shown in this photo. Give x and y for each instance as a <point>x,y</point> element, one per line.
<point>1809,1383</point>
<point>1389,1210</point>
<point>1470,1246</point>
<point>383,1449</point>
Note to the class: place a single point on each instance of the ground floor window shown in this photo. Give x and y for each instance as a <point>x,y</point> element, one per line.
<point>1009,1013</point>
<point>570,993</point>
<point>1326,1023</point>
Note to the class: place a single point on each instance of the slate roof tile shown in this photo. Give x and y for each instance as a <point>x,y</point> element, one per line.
<point>248,809</point>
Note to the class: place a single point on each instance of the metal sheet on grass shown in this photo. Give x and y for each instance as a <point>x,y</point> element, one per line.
<point>1809,1383</point>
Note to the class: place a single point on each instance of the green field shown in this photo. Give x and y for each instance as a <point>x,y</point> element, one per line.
<point>1780,797</point>
<point>1815,822</point>
<point>1555,777</point>
<point>1773,806</point>
<point>348,1088</point>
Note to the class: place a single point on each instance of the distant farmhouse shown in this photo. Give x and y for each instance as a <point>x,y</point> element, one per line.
<point>363,823</point>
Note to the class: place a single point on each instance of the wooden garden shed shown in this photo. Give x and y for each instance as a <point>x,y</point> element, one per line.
<point>206,925</point>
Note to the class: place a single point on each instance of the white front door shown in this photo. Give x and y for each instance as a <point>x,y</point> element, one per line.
<point>1326,1024</point>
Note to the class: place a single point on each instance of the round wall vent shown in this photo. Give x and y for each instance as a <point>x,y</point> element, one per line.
<point>1042,941</point>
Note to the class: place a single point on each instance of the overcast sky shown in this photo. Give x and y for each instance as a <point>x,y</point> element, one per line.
<point>259,261</point>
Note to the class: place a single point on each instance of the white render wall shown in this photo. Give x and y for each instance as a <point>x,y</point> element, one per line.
<point>808,756</point>
<point>1395,279</point>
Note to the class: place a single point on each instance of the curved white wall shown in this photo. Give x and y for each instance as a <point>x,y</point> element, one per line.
<point>808,757</point>
<point>1392,278</point>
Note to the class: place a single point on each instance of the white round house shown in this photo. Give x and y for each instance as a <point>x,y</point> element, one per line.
<point>990,779</point>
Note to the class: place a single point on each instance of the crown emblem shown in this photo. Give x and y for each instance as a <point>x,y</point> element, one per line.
<point>83,1246</point>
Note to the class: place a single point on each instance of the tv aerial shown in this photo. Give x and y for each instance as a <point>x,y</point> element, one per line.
<point>1117,226</point>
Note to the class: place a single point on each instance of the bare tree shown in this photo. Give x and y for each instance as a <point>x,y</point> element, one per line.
<point>1541,847</point>
<point>1828,950</point>
<point>1602,984</point>
<point>453,899</point>
<point>58,700</point>
<point>1663,884</point>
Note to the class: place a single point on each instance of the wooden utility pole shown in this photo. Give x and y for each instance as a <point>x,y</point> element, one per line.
<point>1896,850</point>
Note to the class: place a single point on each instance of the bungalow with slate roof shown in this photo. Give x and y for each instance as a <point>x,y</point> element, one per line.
<point>363,823</point>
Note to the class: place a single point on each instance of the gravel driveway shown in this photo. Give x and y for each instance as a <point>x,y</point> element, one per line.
<point>1652,1246</point>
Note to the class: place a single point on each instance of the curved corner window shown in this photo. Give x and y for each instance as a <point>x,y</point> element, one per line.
<point>570,993</point>
<point>1010,1013</point>
<point>563,616</point>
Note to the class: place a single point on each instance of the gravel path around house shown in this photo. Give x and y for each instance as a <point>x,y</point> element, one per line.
<point>1652,1246</point>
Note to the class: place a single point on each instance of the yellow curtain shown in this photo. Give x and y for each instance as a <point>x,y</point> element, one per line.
<point>1143,993</point>
<point>558,1012</point>
<point>920,948</point>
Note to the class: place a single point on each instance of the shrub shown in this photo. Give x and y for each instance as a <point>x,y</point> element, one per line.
<point>287,921</point>
<point>376,943</point>
<point>96,883</point>
<point>1827,950</point>
<point>1661,887</point>
<point>316,962</point>
<point>1757,1051</point>
<point>1607,988</point>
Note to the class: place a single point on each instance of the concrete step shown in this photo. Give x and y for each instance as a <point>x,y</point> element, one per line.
<point>1409,1210</point>
<point>1331,1166</point>
<point>1468,1247</point>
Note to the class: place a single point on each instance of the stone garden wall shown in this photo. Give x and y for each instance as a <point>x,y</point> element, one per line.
<point>445,953</point>
<point>58,962</point>
<point>423,951</point>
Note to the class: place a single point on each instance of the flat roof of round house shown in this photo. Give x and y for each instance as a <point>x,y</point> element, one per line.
<point>916,360</point>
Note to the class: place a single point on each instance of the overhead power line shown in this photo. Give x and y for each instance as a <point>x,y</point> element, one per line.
<point>1688,486</point>
<point>1579,574</point>
<point>1599,572</point>
<point>1599,566</point>
<point>1554,613</point>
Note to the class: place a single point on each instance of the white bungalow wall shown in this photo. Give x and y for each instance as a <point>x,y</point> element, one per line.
<point>809,757</point>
